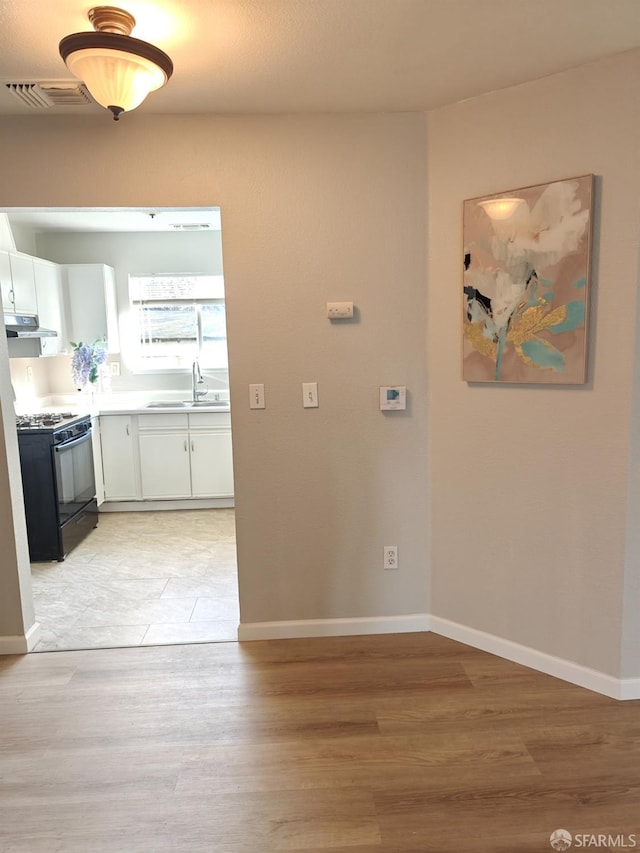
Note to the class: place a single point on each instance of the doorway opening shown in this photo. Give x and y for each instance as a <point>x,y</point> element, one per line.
<point>160,567</point>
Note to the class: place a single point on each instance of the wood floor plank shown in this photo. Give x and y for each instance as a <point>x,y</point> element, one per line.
<point>388,744</point>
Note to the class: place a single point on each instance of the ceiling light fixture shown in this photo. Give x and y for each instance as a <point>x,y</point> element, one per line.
<point>501,208</point>
<point>119,71</point>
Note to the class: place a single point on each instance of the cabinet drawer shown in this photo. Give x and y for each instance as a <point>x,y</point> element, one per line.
<point>171,420</point>
<point>210,420</point>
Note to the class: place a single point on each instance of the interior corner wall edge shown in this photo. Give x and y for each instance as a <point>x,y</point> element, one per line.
<point>17,616</point>
<point>530,485</point>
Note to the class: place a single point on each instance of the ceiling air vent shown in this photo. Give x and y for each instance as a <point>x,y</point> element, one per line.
<point>41,96</point>
<point>190,226</point>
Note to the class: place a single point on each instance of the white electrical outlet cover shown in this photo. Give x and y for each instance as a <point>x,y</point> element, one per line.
<point>339,310</point>
<point>393,398</point>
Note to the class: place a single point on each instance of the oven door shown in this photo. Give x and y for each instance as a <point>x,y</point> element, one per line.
<point>75,477</point>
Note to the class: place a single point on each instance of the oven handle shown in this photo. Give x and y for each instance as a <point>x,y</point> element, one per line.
<point>73,443</point>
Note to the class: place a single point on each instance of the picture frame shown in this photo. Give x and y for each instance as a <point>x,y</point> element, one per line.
<point>526,277</point>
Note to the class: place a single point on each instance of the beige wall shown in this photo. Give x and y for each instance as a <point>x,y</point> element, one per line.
<point>529,484</point>
<point>533,491</point>
<point>313,209</point>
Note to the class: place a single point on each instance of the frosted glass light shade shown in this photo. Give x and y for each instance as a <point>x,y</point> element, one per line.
<point>118,70</point>
<point>116,78</point>
<point>500,208</point>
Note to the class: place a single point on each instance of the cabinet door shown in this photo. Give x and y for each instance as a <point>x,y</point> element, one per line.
<point>97,459</point>
<point>24,286</point>
<point>91,304</point>
<point>6,286</point>
<point>211,464</point>
<point>119,463</point>
<point>49,296</point>
<point>164,465</point>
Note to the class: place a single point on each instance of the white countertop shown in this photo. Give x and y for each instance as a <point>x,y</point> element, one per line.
<point>120,404</point>
<point>124,409</point>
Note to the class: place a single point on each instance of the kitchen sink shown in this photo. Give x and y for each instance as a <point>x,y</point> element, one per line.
<point>210,403</point>
<point>161,404</point>
<point>187,404</point>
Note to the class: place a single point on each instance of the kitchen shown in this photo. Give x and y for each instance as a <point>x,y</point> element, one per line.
<point>139,577</point>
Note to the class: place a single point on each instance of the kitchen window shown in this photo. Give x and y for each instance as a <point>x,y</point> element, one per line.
<point>178,318</point>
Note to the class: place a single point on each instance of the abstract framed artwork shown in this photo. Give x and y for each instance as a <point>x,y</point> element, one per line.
<point>526,284</point>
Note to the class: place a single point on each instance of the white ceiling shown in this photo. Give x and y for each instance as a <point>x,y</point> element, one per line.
<point>101,220</point>
<point>274,56</point>
<point>283,56</point>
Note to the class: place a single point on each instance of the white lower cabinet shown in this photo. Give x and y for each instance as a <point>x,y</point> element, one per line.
<point>211,464</point>
<point>164,465</point>
<point>97,459</point>
<point>167,456</point>
<point>119,457</point>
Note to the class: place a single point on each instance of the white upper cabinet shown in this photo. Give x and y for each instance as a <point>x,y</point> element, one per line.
<point>92,315</point>
<point>17,283</point>
<point>6,285</point>
<point>49,299</point>
<point>24,285</point>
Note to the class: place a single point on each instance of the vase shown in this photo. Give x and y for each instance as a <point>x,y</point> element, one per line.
<point>88,397</point>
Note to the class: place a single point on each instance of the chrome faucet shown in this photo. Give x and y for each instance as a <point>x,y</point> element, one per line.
<point>196,379</point>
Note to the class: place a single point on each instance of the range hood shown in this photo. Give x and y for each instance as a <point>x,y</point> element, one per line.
<point>25,326</point>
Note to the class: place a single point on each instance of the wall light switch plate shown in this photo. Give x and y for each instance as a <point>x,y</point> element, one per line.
<point>256,396</point>
<point>310,395</point>
<point>393,398</point>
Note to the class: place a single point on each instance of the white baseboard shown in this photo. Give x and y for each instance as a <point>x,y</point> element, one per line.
<point>19,644</point>
<point>333,627</point>
<point>148,506</point>
<point>558,667</point>
<point>629,688</point>
<point>591,679</point>
<point>33,636</point>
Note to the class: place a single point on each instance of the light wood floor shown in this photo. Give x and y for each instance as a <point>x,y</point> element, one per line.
<point>389,744</point>
<point>142,579</point>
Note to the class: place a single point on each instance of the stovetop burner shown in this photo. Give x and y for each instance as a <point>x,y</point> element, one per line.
<point>43,419</point>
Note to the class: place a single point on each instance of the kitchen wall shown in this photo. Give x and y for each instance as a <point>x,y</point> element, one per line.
<point>532,499</point>
<point>30,381</point>
<point>313,209</point>
<point>127,253</point>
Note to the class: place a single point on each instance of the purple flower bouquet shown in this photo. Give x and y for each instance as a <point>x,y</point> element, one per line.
<point>86,361</point>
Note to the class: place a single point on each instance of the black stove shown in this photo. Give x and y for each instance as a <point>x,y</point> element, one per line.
<point>61,425</point>
<point>56,459</point>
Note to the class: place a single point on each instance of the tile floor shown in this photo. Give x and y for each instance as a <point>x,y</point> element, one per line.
<point>142,579</point>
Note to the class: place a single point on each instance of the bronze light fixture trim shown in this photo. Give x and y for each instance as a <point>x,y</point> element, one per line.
<point>118,70</point>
